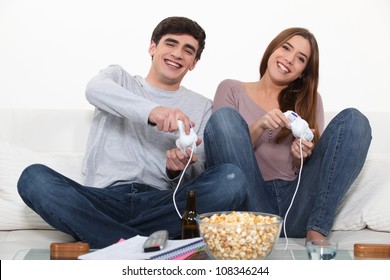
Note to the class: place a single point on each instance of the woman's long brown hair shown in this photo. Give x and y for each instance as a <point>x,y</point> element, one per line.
<point>300,95</point>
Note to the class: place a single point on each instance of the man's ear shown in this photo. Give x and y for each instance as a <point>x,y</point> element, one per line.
<point>193,64</point>
<point>152,48</point>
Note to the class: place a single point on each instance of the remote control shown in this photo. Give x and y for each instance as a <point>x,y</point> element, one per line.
<point>298,126</point>
<point>156,241</point>
<point>185,141</point>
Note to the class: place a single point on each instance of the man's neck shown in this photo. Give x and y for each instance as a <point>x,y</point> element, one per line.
<point>158,83</point>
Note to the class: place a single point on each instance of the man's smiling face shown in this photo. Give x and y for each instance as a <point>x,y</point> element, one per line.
<point>173,56</point>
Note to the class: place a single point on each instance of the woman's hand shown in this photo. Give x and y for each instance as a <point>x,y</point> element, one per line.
<point>307,149</point>
<point>274,119</point>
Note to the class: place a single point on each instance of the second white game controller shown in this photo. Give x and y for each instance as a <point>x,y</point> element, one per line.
<point>299,127</point>
<point>186,140</point>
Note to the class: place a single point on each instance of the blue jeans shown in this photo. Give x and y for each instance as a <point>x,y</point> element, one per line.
<point>326,176</point>
<point>101,217</point>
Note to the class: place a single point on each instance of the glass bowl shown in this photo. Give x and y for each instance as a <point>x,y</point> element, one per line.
<point>239,235</point>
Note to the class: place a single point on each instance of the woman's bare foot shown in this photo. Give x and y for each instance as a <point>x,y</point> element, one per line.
<point>314,235</point>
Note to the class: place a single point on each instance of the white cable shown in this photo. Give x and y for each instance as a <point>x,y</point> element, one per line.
<point>181,177</point>
<point>296,190</point>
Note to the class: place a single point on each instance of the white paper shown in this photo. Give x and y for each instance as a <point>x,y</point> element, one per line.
<point>131,249</point>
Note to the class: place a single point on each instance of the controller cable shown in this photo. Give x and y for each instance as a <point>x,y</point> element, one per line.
<point>181,177</point>
<point>296,190</point>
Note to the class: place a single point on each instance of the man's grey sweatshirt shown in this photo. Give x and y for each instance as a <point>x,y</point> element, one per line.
<point>122,147</point>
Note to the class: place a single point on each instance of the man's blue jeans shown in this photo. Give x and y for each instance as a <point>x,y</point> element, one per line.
<point>102,216</point>
<point>326,176</point>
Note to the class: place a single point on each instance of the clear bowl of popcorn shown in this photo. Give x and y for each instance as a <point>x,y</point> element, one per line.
<point>239,235</point>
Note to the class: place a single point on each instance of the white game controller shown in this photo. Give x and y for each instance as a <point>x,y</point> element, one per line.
<point>298,126</point>
<point>186,140</point>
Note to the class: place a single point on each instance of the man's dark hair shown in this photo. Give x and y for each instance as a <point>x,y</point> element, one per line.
<point>180,25</point>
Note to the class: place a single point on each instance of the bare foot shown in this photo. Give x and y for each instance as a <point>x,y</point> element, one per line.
<point>314,235</point>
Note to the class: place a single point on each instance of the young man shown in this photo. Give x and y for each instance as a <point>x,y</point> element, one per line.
<point>132,165</point>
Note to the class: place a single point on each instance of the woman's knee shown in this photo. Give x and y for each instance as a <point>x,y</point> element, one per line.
<point>224,113</point>
<point>356,118</point>
<point>233,179</point>
<point>357,123</point>
<point>231,185</point>
<point>227,119</point>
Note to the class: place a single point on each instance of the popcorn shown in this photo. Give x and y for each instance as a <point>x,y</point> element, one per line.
<point>240,235</point>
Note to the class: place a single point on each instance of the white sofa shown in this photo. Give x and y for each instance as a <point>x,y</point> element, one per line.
<point>58,137</point>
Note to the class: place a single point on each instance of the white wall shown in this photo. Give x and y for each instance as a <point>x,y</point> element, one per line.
<point>49,49</point>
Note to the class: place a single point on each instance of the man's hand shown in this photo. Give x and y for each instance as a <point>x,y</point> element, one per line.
<point>176,160</point>
<point>166,119</point>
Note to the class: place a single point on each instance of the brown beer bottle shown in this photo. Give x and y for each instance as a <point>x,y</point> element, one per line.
<point>189,227</point>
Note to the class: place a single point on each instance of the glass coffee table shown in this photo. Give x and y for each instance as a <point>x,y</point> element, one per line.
<point>284,255</point>
<point>41,254</point>
<point>276,254</point>
<point>33,254</point>
<point>44,254</point>
<point>302,255</point>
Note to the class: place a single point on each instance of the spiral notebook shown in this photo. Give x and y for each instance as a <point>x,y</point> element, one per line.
<point>131,249</point>
<point>180,252</point>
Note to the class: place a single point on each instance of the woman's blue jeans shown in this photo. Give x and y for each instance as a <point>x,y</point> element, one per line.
<point>101,217</point>
<point>327,175</point>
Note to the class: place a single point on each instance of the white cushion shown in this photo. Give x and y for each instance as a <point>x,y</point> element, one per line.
<point>14,214</point>
<point>367,202</point>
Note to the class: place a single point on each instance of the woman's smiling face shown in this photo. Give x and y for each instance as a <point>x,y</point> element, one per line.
<point>287,63</point>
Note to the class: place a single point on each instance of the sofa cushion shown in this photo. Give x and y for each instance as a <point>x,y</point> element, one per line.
<point>367,202</point>
<point>14,214</point>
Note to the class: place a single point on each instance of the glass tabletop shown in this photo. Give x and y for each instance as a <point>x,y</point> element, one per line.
<point>302,255</point>
<point>33,254</point>
<point>44,254</point>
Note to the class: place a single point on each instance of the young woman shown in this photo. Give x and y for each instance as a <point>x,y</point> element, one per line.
<point>302,181</point>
